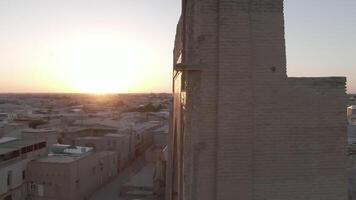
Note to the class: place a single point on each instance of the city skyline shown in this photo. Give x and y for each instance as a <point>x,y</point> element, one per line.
<point>124,46</point>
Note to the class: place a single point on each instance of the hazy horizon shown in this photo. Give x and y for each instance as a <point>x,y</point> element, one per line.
<point>107,46</point>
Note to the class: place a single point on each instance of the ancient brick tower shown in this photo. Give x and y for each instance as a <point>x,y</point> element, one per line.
<point>241,129</point>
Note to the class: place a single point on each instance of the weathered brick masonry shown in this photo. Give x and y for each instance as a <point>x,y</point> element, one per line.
<point>242,129</point>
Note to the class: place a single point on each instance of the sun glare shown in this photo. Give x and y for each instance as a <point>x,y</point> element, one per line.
<point>102,64</point>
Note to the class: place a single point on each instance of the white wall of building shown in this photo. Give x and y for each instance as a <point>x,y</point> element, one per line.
<point>16,178</point>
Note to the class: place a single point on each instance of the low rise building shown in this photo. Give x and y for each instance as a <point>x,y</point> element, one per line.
<point>352,171</point>
<point>351,113</point>
<point>50,136</point>
<point>160,137</point>
<point>119,143</point>
<point>143,135</point>
<point>15,154</point>
<point>12,129</point>
<point>98,143</point>
<point>351,133</point>
<point>71,133</point>
<point>70,173</point>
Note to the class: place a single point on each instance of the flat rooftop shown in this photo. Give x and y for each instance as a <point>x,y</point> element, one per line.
<point>38,131</point>
<point>19,143</point>
<point>89,138</point>
<point>7,150</point>
<point>62,149</point>
<point>61,158</point>
<point>69,158</point>
<point>115,135</point>
<point>7,139</point>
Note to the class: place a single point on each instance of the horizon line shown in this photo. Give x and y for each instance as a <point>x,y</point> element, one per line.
<point>89,93</point>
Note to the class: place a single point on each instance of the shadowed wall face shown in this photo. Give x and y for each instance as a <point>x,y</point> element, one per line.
<point>241,127</point>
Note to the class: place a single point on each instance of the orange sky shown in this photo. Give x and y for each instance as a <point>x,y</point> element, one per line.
<point>104,46</point>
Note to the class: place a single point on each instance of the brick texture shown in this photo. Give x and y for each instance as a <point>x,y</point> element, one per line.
<point>242,129</point>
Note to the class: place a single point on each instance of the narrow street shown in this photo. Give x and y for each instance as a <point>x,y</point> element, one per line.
<point>111,190</point>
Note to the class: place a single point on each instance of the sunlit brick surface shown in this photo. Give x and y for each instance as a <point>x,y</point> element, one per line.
<point>250,132</point>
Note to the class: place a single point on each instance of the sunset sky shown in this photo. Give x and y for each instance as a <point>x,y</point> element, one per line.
<point>126,45</point>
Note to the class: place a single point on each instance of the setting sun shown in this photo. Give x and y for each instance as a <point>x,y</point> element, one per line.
<point>126,46</point>
<point>101,64</point>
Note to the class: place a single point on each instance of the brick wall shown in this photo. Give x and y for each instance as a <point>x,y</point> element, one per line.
<point>250,131</point>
